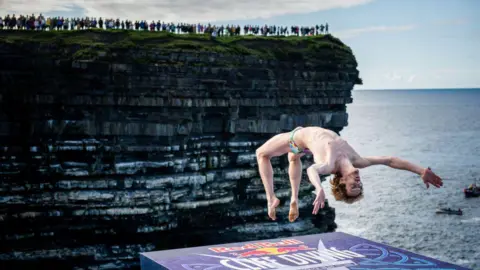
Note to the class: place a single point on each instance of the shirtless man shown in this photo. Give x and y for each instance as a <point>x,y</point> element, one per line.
<point>331,155</point>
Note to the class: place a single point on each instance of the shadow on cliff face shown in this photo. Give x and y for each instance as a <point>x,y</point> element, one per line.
<point>107,157</point>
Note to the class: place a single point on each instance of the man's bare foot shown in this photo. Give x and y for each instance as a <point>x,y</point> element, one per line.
<point>293,215</point>
<point>271,208</point>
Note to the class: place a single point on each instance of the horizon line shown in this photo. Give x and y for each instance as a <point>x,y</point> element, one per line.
<point>409,89</point>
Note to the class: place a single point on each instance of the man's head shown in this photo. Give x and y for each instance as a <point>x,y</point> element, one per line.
<point>347,188</point>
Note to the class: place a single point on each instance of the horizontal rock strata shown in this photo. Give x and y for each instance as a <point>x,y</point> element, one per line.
<point>140,149</point>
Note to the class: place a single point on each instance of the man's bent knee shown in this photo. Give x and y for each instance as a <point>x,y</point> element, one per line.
<point>261,155</point>
<point>294,158</point>
<point>291,157</point>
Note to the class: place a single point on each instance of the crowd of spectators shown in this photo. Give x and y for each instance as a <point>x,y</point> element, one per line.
<point>41,23</point>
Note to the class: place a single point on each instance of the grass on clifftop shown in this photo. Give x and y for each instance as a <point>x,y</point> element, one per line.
<point>268,47</point>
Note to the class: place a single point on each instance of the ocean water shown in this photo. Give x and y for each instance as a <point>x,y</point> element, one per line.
<point>436,128</point>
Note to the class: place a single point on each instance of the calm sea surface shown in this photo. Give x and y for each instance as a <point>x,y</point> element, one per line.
<point>436,128</point>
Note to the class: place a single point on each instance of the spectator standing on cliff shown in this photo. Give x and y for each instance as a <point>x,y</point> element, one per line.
<point>43,22</point>
<point>66,23</point>
<point>326,28</point>
<point>296,30</point>
<point>331,155</point>
<point>18,22</point>
<point>78,24</point>
<point>4,23</point>
<point>37,23</point>
<point>59,23</point>
<point>26,22</point>
<point>93,23</point>
<point>13,22</point>
<point>100,23</point>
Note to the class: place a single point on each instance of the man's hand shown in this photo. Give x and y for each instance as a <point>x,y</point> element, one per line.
<point>430,177</point>
<point>319,201</point>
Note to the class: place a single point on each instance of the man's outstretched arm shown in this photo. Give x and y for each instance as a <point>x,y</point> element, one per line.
<point>392,162</point>
<point>397,163</point>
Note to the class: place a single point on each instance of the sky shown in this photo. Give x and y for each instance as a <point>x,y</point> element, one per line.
<point>398,44</point>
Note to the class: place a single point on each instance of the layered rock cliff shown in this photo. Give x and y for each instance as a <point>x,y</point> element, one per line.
<point>114,143</point>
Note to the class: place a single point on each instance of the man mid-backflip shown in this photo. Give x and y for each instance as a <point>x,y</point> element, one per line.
<point>331,155</point>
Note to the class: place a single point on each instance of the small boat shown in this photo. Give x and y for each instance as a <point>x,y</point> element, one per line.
<point>449,211</point>
<point>472,191</point>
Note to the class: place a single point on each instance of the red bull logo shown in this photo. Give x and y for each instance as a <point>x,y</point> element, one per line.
<point>257,246</point>
<point>272,251</point>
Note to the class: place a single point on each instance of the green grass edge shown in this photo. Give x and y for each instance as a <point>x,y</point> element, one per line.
<point>264,47</point>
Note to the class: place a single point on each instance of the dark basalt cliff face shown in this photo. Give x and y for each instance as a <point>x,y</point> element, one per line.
<point>136,145</point>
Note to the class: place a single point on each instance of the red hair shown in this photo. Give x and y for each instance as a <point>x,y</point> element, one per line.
<point>339,190</point>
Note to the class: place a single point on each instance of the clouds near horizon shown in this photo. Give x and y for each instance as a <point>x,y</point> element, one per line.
<point>179,10</point>
<point>350,33</point>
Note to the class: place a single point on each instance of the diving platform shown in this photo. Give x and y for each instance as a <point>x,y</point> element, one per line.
<point>332,251</point>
